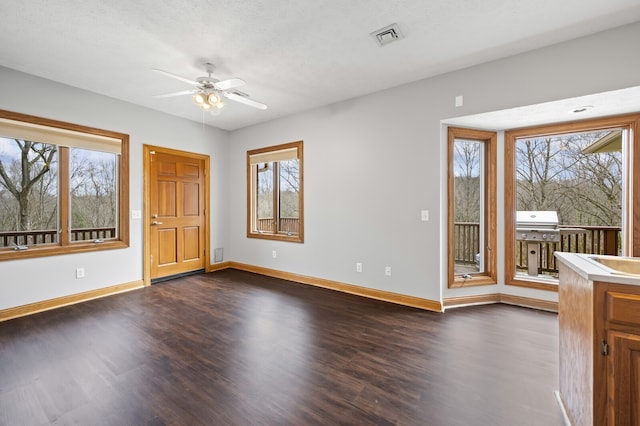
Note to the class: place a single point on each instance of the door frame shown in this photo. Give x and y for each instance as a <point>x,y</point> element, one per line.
<point>147,151</point>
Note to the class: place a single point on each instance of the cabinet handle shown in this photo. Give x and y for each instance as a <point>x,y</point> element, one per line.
<point>155,222</point>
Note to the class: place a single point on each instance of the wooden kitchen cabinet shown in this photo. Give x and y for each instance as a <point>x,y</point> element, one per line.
<point>599,364</point>
<point>621,323</point>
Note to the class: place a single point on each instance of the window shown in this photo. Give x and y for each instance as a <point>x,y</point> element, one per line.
<point>583,172</point>
<point>472,208</point>
<point>274,193</point>
<point>63,187</point>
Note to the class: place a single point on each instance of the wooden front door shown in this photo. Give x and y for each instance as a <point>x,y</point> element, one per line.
<point>177,212</point>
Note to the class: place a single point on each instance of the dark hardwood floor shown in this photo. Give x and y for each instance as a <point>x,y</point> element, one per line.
<point>234,348</point>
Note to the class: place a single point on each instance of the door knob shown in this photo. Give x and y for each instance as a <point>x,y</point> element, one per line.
<point>155,222</point>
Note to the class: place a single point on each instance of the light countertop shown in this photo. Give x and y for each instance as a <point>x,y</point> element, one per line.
<point>593,270</point>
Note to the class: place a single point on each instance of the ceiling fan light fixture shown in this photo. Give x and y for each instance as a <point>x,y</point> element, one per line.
<point>208,92</point>
<point>208,100</point>
<point>199,98</point>
<point>213,99</point>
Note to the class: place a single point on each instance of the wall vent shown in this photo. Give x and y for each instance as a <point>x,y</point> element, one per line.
<point>387,35</point>
<point>218,255</point>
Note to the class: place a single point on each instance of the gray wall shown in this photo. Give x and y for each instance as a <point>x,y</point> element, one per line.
<point>30,280</point>
<point>371,165</point>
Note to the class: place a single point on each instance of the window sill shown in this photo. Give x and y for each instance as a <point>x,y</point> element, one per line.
<point>44,251</point>
<point>550,284</point>
<point>474,281</point>
<point>276,237</point>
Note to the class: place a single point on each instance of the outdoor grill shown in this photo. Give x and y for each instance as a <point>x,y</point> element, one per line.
<point>535,227</point>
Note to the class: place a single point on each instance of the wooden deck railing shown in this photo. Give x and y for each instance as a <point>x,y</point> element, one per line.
<point>49,236</point>
<point>596,240</point>
<point>466,238</point>
<point>287,224</point>
<point>86,234</point>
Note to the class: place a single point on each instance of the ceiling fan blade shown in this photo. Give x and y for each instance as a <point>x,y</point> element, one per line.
<point>231,83</point>
<point>244,100</point>
<point>170,95</point>
<point>177,77</point>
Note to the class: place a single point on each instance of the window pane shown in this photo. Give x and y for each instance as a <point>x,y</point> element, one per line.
<point>289,187</point>
<point>44,192</point>
<point>579,176</point>
<point>93,185</point>
<point>467,206</point>
<point>275,191</point>
<point>264,197</point>
<point>28,192</point>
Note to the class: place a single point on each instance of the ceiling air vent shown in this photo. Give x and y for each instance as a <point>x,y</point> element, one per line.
<point>387,35</point>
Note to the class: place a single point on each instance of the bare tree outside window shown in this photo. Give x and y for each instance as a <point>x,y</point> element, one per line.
<point>467,184</point>
<point>265,191</point>
<point>29,192</point>
<point>472,207</point>
<point>579,176</point>
<point>555,173</point>
<point>275,194</point>
<point>289,188</point>
<point>28,185</point>
<point>93,192</point>
<point>468,196</point>
<point>64,187</point>
<point>287,193</point>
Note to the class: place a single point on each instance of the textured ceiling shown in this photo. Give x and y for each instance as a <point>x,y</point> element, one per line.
<point>293,55</point>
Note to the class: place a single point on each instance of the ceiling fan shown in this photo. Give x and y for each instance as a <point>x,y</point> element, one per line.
<point>208,92</point>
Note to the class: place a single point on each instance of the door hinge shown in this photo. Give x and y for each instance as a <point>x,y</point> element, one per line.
<point>605,348</point>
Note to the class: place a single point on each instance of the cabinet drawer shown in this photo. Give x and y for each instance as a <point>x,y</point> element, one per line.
<point>623,308</point>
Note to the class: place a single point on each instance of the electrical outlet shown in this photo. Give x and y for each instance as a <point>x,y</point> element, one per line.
<point>358,267</point>
<point>387,271</point>
<point>274,254</point>
<point>80,273</point>
<point>424,215</point>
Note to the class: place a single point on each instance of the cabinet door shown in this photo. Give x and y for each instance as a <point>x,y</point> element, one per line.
<point>623,376</point>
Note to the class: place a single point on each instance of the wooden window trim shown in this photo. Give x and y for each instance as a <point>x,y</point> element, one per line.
<point>251,193</point>
<point>489,276</point>
<point>64,246</point>
<point>630,122</point>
